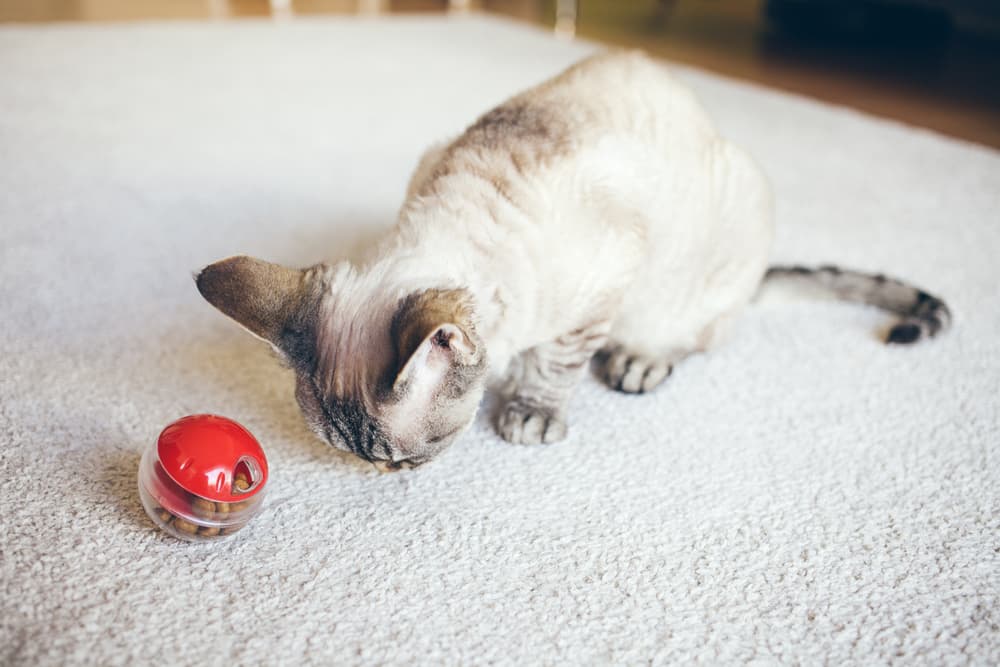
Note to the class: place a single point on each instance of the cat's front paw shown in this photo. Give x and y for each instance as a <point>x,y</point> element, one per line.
<point>634,374</point>
<point>525,424</point>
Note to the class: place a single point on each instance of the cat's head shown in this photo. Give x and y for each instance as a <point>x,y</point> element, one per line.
<point>390,375</point>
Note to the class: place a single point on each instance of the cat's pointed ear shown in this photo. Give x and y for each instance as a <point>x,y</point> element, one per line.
<point>434,331</point>
<point>267,299</point>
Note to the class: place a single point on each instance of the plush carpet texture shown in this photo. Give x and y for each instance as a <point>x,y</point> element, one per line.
<point>803,495</point>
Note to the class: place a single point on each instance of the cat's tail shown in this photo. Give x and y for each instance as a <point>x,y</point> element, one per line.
<point>923,315</point>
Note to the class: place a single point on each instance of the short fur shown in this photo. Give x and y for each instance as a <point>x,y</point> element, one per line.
<point>599,213</point>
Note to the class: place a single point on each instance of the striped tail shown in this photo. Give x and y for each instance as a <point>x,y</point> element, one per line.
<point>923,315</point>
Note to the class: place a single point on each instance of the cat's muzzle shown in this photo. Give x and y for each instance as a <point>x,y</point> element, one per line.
<point>394,466</point>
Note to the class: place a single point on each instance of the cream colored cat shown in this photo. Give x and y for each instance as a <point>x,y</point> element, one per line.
<point>598,213</point>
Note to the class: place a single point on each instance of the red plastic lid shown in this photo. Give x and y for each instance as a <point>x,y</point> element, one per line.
<point>206,454</point>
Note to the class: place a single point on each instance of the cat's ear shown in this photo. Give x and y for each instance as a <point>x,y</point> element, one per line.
<point>433,331</point>
<point>269,300</point>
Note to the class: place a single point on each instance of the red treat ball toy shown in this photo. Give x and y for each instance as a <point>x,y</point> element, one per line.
<point>204,477</point>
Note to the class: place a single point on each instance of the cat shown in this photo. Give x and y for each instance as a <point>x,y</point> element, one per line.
<point>598,215</point>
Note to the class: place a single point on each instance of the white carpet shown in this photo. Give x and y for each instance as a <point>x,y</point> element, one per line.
<point>804,495</point>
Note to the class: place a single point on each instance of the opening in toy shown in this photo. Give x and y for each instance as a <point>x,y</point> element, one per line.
<point>246,476</point>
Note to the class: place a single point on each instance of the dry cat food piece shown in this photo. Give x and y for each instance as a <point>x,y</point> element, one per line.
<point>185,526</point>
<point>203,478</point>
<point>203,508</point>
<point>242,483</point>
<point>217,511</point>
<point>191,529</point>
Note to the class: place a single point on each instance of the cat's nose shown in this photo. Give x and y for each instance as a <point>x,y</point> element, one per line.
<point>393,466</point>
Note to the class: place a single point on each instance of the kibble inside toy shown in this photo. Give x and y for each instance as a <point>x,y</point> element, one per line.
<point>203,478</point>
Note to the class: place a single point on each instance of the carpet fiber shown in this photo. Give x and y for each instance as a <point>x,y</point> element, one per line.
<point>805,494</point>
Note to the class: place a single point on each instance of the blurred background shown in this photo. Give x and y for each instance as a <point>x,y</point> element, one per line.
<point>931,63</point>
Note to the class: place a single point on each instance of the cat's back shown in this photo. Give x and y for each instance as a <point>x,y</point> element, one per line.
<point>617,95</point>
<point>623,94</point>
<point>619,89</point>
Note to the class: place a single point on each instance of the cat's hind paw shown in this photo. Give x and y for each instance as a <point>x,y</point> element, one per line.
<point>634,374</point>
<point>525,424</point>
